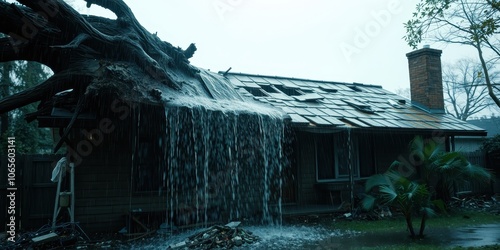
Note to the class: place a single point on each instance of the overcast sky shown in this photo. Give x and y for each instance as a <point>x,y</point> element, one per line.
<point>347,41</point>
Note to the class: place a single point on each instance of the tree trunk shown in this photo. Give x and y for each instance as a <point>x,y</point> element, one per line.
<point>443,191</point>
<point>409,223</point>
<point>422,225</point>
<point>5,84</point>
<point>489,85</point>
<point>94,56</point>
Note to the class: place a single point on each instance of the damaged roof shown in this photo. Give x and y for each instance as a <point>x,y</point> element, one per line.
<point>324,104</point>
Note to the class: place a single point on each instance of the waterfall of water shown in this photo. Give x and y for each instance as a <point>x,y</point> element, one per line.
<point>223,163</point>
<point>351,170</point>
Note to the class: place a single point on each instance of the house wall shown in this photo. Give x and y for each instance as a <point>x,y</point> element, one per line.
<point>103,180</point>
<point>104,195</point>
<point>387,147</point>
<point>204,171</point>
<point>468,144</point>
<point>390,147</point>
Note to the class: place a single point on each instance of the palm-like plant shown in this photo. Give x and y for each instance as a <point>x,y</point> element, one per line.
<point>440,170</point>
<point>391,188</point>
<point>433,171</point>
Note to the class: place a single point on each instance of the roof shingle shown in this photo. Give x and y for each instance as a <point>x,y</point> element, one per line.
<point>334,104</point>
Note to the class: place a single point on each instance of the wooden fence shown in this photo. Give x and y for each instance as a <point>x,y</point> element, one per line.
<point>477,158</point>
<point>35,194</point>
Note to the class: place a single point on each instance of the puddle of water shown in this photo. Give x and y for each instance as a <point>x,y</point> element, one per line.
<point>475,236</point>
<point>290,237</point>
<point>440,237</point>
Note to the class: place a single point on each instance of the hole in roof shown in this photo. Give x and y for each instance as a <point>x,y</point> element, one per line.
<point>328,89</point>
<point>288,91</point>
<point>363,107</point>
<point>355,88</point>
<point>269,89</point>
<point>255,92</point>
<point>306,90</point>
<point>402,101</point>
<point>397,104</point>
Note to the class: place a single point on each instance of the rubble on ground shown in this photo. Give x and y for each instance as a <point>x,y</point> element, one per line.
<point>218,237</point>
<point>479,203</point>
<point>47,237</point>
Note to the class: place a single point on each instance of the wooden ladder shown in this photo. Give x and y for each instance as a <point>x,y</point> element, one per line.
<point>64,195</point>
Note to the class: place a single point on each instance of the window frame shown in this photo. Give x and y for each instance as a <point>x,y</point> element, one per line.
<point>337,142</point>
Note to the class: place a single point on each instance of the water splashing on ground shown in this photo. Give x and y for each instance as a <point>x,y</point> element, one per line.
<point>271,237</point>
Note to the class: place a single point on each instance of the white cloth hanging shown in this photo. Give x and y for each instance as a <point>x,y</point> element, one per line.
<point>60,167</point>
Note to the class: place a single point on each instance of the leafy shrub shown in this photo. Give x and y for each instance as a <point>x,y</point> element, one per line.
<point>492,145</point>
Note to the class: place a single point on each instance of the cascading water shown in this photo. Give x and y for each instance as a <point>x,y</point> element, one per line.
<point>224,160</point>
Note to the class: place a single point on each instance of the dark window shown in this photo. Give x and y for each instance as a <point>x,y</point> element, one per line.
<point>366,156</point>
<point>344,159</point>
<point>325,157</point>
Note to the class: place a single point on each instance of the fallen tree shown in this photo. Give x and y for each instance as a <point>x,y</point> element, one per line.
<point>91,55</point>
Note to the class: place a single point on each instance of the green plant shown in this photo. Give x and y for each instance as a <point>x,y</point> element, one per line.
<point>391,188</point>
<point>441,170</point>
<point>491,145</point>
<point>433,173</point>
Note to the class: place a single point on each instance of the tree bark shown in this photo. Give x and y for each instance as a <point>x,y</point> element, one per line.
<point>409,223</point>
<point>422,225</point>
<point>5,89</point>
<point>88,52</point>
<point>489,85</point>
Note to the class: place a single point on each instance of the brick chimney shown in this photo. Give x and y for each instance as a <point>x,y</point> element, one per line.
<point>426,84</point>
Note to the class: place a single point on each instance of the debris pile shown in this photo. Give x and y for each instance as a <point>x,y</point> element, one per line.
<point>479,203</point>
<point>218,237</point>
<point>378,213</point>
<point>62,236</point>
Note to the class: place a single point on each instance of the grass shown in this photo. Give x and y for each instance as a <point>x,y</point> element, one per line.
<point>457,219</point>
<point>426,247</point>
<point>396,225</point>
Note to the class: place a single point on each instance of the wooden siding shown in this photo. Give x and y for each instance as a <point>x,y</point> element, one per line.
<point>104,196</point>
<point>390,147</point>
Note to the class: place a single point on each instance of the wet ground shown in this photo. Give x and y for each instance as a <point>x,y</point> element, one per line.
<point>475,236</point>
<point>317,238</point>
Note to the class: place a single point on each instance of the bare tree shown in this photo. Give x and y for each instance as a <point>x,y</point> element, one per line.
<point>465,88</point>
<point>466,22</point>
<point>404,92</point>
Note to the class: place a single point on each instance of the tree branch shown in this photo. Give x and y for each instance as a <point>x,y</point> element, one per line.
<point>73,46</point>
<point>487,77</point>
<point>57,83</point>
<point>118,7</point>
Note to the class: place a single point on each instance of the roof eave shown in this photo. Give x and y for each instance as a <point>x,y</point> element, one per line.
<point>322,129</point>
